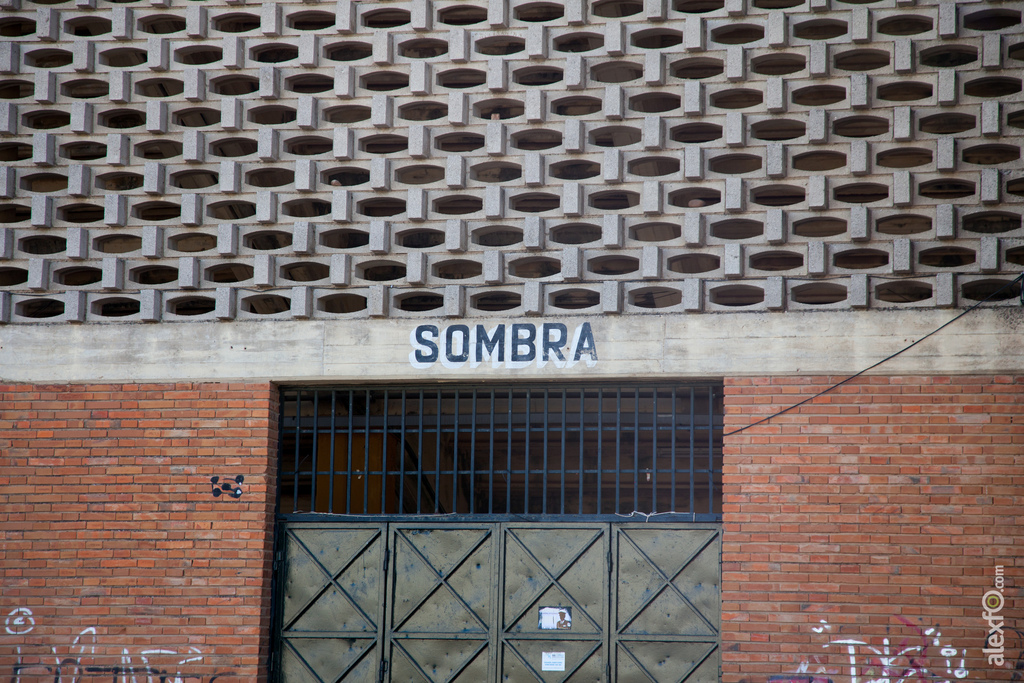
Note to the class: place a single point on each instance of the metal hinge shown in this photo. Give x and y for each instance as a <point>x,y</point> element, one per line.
<point>277,558</point>
<point>383,670</point>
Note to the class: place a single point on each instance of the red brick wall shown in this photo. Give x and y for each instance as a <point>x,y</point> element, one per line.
<point>113,545</point>
<point>875,514</point>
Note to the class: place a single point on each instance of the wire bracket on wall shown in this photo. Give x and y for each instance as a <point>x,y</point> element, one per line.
<point>884,360</point>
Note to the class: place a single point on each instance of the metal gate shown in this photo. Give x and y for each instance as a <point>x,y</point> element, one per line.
<point>498,601</point>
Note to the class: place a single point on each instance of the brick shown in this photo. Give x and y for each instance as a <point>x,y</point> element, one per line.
<point>857,509</point>
<point>107,528</point>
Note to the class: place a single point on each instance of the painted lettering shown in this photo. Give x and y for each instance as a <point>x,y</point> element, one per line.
<point>456,348</point>
<point>514,346</point>
<point>424,344</point>
<point>553,345</point>
<point>583,343</point>
<point>493,345</point>
<point>523,348</point>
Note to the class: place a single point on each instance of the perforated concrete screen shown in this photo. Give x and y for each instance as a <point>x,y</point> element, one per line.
<point>179,160</point>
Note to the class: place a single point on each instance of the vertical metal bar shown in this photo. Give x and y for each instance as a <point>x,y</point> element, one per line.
<point>437,454</point>
<point>490,461</point>
<point>401,456</point>
<point>636,447</point>
<point>527,425</point>
<point>672,451</point>
<point>583,396</point>
<point>419,459</point>
<point>455,456</point>
<point>334,436</point>
<point>561,506</point>
<point>281,407</point>
<point>546,468</point>
<point>472,457</point>
<point>693,447</point>
<point>384,457</point>
<point>711,449</point>
<point>351,457</point>
<point>600,447</point>
<point>508,456</point>
<point>298,442</point>
<point>316,454</point>
<point>618,447</point>
<point>654,450</point>
<point>496,597</point>
<point>366,453</point>
<point>382,640</point>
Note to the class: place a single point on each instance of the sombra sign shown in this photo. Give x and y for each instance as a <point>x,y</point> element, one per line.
<point>518,345</point>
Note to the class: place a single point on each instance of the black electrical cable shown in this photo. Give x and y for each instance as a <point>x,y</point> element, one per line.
<point>884,360</point>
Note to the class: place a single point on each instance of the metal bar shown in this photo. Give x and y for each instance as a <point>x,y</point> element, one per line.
<point>437,458</point>
<point>298,444</point>
<point>508,455</point>
<point>561,505</point>
<point>546,469</point>
<point>282,402</point>
<point>526,487</point>
<point>348,468</point>
<point>693,445</point>
<point>384,457</point>
<point>429,518</point>
<point>711,449</point>
<point>600,447</point>
<point>366,454</point>
<point>618,447</point>
<point>490,459</point>
<point>315,450</point>
<point>401,456</point>
<point>636,448</point>
<point>334,434</point>
<point>654,450</point>
<point>455,457</point>
<point>672,451</point>
<point>419,455</point>
<point>472,457</point>
<point>583,398</point>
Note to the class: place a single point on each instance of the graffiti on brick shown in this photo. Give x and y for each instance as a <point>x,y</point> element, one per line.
<point>19,621</point>
<point>918,655</point>
<point>232,487</point>
<point>1013,645</point>
<point>77,662</point>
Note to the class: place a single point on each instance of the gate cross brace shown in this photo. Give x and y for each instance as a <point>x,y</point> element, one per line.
<point>668,582</point>
<point>442,579</point>
<point>553,580</point>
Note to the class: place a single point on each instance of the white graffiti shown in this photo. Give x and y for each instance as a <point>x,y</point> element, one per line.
<point>20,621</point>
<point>75,664</point>
<point>925,658</point>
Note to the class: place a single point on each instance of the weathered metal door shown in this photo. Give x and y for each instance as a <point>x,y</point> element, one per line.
<point>558,567</point>
<point>666,603</point>
<point>331,602</point>
<point>488,602</point>
<point>442,607</point>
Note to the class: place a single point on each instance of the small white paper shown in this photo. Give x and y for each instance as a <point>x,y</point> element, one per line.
<point>552,661</point>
